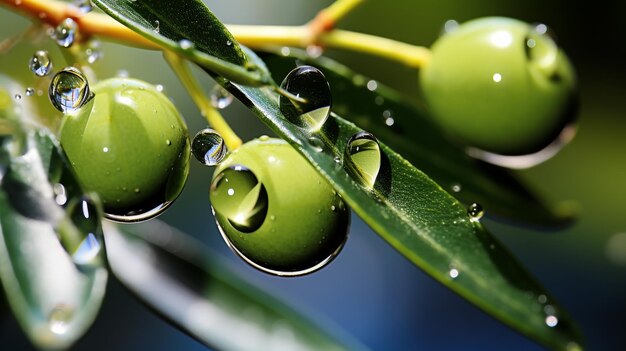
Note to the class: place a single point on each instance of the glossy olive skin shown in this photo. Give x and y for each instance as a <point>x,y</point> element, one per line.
<point>499,85</point>
<point>130,145</point>
<point>306,224</point>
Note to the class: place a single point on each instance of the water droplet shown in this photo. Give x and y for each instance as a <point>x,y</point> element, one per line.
<point>552,321</point>
<point>160,88</point>
<point>285,51</point>
<point>208,147</point>
<point>310,104</point>
<point>105,149</point>
<point>40,63</point>
<point>363,158</point>
<point>316,143</point>
<point>237,194</point>
<point>220,97</point>
<point>264,138</point>
<point>168,142</point>
<point>542,50</point>
<point>456,188</point>
<point>18,97</point>
<point>450,26</point>
<point>30,91</point>
<point>542,299</point>
<point>530,160</point>
<point>229,43</point>
<point>157,26</point>
<point>314,51</point>
<point>93,52</point>
<point>60,195</point>
<point>59,318</point>
<point>83,5</point>
<point>453,273</point>
<point>69,90</point>
<point>185,44</point>
<point>476,212</point>
<point>85,244</point>
<point>65,33</point>
<point>372,85</point>
<point>616,249</point>
<point>497,77</point>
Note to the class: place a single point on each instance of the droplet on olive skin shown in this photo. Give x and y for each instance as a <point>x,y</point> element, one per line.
<point>237,194</point>
<point>310,104</point>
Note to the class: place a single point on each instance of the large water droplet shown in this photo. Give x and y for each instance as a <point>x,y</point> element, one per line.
<point>220,97</point>
<point>476,212</point>
<point>310,104</point>
<point>59,319</point>
<point>69,90</point>
<point>530,160</point>
<point>542,50</point>
<point>363,158</point>
<point>40,63</point>
<point>237,194</point>
<point>65,33</point>
<point>208,147</point>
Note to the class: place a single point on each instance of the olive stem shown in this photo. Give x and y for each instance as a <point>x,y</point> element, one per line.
<point>53,12</point>
<point>208,111</point>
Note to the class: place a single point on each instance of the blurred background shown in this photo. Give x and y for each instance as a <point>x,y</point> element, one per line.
<point>370,291</point>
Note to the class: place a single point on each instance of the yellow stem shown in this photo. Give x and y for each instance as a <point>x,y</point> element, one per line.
<point>210,113</point>
<point>53,12</point>
<point>339,9</point>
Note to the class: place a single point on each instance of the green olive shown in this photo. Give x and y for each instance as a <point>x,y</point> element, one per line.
<point>500,85</point>
<point>130,145</point>
<point>276,211</point>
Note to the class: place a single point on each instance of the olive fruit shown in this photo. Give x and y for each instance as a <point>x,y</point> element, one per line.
<point>130,145</point>
<point>275,211</point>
<point>500,85</point>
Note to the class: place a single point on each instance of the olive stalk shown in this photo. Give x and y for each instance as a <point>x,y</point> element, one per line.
<point>319,31</point>
<point>208,111</point>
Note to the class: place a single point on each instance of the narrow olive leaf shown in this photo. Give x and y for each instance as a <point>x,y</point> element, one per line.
<point>190,29</point>
<point>54,277</point>
<point>405,127</point>
<point>188,285</point>
<point>423,222</point>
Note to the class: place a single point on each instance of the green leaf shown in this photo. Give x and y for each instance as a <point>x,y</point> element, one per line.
<point>422,143</point>
<point>425,224</point>
<point>53,299</point>
<point>174,275</point>
<point>167,23</point>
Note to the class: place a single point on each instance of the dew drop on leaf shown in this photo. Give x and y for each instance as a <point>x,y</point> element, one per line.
<point>185,44</point>
<point>69,90</point>
<point>363,158</point>
<point>40,63</point>
<point>316,143</point>
<point>237,194</point>
<point>65,33</point>
<point>220,97</point>
<point>309,105</point>
<point>476,212</point>
<point>208,147</point>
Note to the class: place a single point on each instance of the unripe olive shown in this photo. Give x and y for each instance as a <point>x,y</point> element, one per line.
<point>130,145</point>
<point>276,211</point>
<point>500,85</point>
